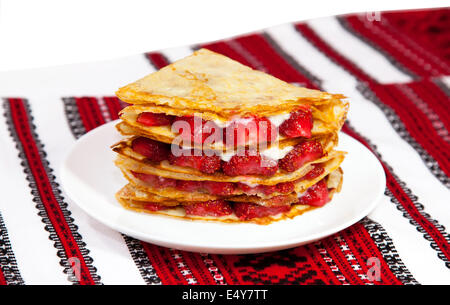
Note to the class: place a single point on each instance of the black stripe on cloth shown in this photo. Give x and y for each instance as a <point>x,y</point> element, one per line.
<point>89,273</point>
<point>401,130</point>
<point>73,117</point>
<point>134,246</point>
<point>141,260</point>
<point>8,263</point>
<point>390,255</point>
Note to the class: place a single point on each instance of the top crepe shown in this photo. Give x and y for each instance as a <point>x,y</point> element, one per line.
<point>207,81</point>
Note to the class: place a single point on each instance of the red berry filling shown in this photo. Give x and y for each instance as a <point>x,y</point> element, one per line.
<point>284,188</point>
<point>317,195</point>
<point>301,154</point>
<point>154,206</point>
<point>154,119</point>
<point>299,124</point>
<point>250,165</point>
<point>249,130</point>
<point>155,181</point>
<point>246,211</point>
<point>209,208</point>
<point>314,173</point>
<point>197,130</point>
<point>153,150</point>
<point>205,164</point>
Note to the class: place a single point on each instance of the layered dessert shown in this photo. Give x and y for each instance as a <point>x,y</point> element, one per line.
<point>209,138</point>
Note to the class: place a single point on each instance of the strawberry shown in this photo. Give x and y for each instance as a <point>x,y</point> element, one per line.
<point>246,211</point>
<point>316,195</point>
<point>219,188</point>
<point>205,164</point>
<point>299,124</point>
<point>155,181</point>
<point>249,130</point>
<point>301,154</point>
<point>189,186</point>
<point>199,129</point>
<point>154,119</point>
<point>250,165</point>
<point>209,208</point>
<point>153,150</point>
<point>154,206</point>
<point>285,187</point>
<point>314,173</point>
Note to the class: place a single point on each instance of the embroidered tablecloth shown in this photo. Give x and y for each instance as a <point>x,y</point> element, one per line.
<point>394,67</point>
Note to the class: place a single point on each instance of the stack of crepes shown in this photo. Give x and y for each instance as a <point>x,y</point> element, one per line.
<point>209,138</point>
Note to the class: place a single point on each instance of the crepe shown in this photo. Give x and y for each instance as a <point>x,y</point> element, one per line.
<point>207,81</point>
<point>134,200</point>
<point>166,170</point>
<point>219,89</point>
<point>328,141</point>
<point>327,118</point>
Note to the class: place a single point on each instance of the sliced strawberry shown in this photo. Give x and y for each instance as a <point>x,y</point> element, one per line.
<point>154,119</point>
<point>155,181</point>
<point>219,188</point>
<point>205,164</point>
<point>249,165</point>
<point>314,173</point>
<point>199,129</point>
<point>246,211</point>
<point>317,195</point>
<point>153,150</point>
<point>189,186</point>
<point>285,187</point>
<point>299,124</point>
<point>154,206</point>
<point>209,208</point>
<point>301,154</point>
<point>249,130</point>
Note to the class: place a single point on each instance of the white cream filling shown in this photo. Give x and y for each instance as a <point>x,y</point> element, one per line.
<point>273,153</point>
<point>276,120</point>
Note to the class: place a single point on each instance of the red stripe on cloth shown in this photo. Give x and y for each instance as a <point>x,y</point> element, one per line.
<point>2,278</point>
<point>275,65</point>
<point>198,268</point>
<point>405,201</point>
<point>331,53</point>
<point>21,123</point>
<point>357,238</point>
<point>426,30</point>
<point>417,124</point>
<point>294,266</point>
<point>90,113</point>
<point>157,59</point>
<point>114,106</point>
<point>166,268</point>
<point>222,47</point>
<point>226,270</point>
<point>341,260</point>
<point>380,37</point>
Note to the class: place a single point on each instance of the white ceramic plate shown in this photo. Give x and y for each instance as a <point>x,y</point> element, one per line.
<point>90,179</point>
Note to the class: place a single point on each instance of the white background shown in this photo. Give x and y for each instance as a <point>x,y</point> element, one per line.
<point>43,33</point>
